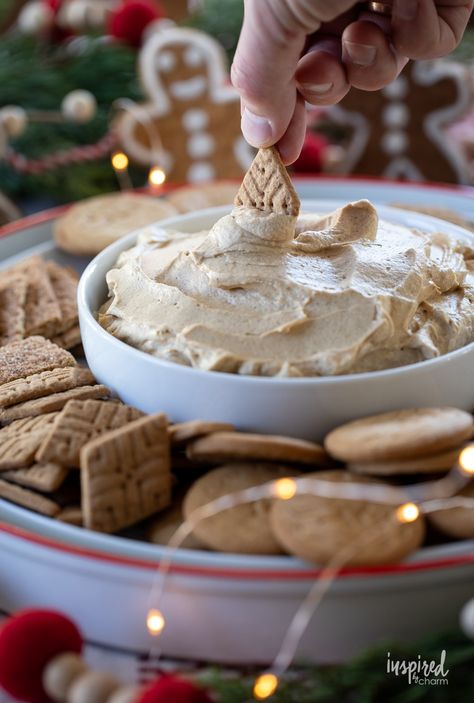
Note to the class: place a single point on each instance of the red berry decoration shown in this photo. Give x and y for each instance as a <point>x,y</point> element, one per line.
<point>171,689</point>
<point>28,642</point>
<point>130,19</point>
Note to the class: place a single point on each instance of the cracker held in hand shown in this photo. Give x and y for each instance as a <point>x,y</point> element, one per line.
<point>267,186</point>
<point>126,474</point>
<point>30,356</point>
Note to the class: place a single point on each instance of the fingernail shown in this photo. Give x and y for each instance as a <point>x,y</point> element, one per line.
<point>358,54</point>
<point>257,130</point>
<point>316,88</point>
<point>405,10</point>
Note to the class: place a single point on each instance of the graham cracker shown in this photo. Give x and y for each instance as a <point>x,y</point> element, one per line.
<point>19,441</point>
<point>64,283</point>
<point>30,356</point>
<point>267,186</point>
<point>42,310</point>
<point>126,474</point>
<point>51,403</point>
<point>13,290</point>
<point>69,338</point>
<point>78,423</point>
<point>42,384</point>
<point>41,477</point>
<point>28,499</point>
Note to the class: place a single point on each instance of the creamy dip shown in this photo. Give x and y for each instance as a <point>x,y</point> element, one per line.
<point>272,295</point>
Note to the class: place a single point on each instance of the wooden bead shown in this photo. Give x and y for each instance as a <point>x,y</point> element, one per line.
<point>92,687</point>
<point>60,673</point>
<point>125,695</point>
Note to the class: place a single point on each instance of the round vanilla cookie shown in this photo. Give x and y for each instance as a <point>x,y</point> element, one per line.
<point>244,529</point>
<point>402,434</point>
<point>316,529</point>
<point>436,463</point>
<point>163,527</point>
<point>190,198</point>
<point>456,522</point>
<point>183,432</point>
<point>245,446</point>
<point>91,225</point>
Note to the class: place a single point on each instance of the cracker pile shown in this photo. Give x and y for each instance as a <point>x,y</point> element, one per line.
<point>38,297</point>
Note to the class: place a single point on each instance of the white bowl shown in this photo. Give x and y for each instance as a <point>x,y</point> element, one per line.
<point>301,407</point>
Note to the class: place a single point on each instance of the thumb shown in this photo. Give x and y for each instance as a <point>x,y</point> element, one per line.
<point>271,42</point>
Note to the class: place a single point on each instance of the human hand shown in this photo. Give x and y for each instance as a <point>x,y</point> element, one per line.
<point>292,51</point>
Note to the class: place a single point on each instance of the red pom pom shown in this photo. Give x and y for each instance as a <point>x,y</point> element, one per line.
<point>172,688</point>
<point>312,155</point>
<point>28,641</point>
<point>130,19</point>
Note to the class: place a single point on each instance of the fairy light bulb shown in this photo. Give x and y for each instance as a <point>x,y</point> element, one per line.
<point>120,161</point>
<point>157,176</point>
<point>285,488</point>
<point>466,460</point>
<point>155,622</point>
<point>409,512</point>
<point>265,686</point>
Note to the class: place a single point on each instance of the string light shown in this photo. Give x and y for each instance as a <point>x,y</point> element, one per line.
<point>157,176</point>
<point>409,512</point>
<point>155,622</point>
<point>120,161</point>
<point>466,460</point>
<point>285,488</point>
<point>265,686</point>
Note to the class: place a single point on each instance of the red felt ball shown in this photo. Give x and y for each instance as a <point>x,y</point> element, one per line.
<point>172,688</point>
<point>312,155</point>
<point>28,641</point>
<point>128,22</point>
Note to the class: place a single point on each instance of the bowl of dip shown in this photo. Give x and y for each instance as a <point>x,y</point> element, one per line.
<point>290,328</point>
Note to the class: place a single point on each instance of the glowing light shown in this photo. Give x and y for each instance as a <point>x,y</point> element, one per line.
<point>285,488</point>
<point>155,622</point>
<point>120,161</point>
<point>466,460</point>
<point>265,686</point>
<point>409,512</point>
<point>157,176</point>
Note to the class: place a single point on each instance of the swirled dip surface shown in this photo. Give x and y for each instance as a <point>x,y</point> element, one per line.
<point>272,295</point>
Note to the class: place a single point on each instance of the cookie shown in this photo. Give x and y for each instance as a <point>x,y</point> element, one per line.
<point>456,522</point>
<point>43,384</point>
<point>402,434</point>
<point>191,110</point>
<point>267,186</point>
<point>165,525</point>
<point>19,441</point>
<point>13,289</point>
<point>423,465</point>
<point>41,477</point>
<point>30,356</point>
<point>126,474</point>
<point>42,310</point>
<point>69,339</point>
<point>317,529</point>
<point>51,403</point>
<point>71,516</point>
<point>64,283</point>
<point>199,197</point>
<point>93,224</point>
<point>239,446</point>
<point>183,432</point>
<point>28,499</point>
<point>78,423</point>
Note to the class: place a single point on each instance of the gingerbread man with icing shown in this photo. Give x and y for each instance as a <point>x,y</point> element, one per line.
<point>399,132</point>
<point>191,123</point>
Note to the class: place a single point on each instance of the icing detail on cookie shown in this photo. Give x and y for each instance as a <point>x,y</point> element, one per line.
<point>201,145</point>
<point>396,115</point>
<point>395,142</point>
<point>200,172</point>
<point>195,120</point>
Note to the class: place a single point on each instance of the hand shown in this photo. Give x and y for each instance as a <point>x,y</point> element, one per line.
<point>292,51</point>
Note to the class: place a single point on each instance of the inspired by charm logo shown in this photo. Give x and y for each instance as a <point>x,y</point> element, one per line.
<point>423,672</point>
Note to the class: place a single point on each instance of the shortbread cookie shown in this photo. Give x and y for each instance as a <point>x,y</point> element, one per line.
<point>40,477</point>
<point>93,224</point>
<point>30,356</point>
<point>28,499</point>
<point>317,529</point>
<point>183,432</point>
<point>456,522</point>
<point>19,441</point>
<point>64,282</point>
<point>126,474</point>
<point>267,185</point>
<point>165,525</point>
<point>423,465</point>
<point>51,403</point>
<point>69,338</point>
<point>403,434</point>
<point>42,384</point>
<point>244,529</point>
<point>71,516</point>
<point>238,446</point>
<point>13,289</point>
<point>42,309</point>
<point>78,423</point>
<point>198,197</point>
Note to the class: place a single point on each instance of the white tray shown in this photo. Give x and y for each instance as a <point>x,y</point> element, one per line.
<point>223,607</point>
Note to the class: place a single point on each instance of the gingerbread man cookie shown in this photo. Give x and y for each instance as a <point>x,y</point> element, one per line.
<point>191,122</point>
<point>398,132</point>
